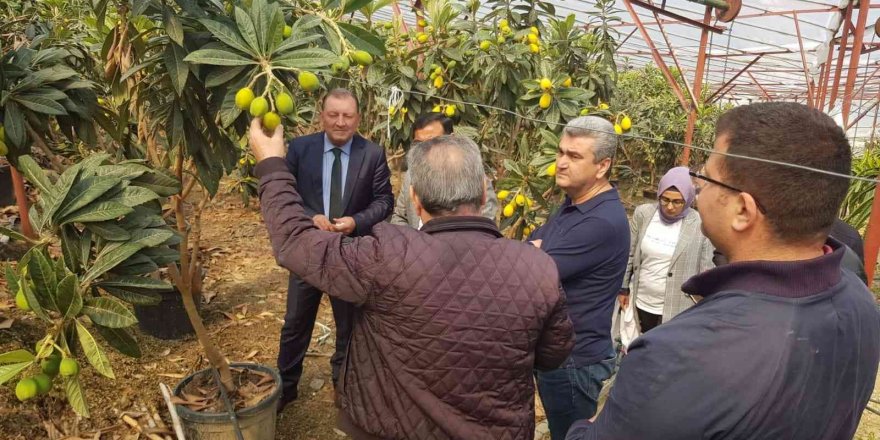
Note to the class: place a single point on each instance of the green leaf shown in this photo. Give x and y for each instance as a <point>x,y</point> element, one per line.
<point>221,75</point>
<point>173,26</point>
<point>75,396</point>
<point>362,39</point>
<point>84,192</point>
<point>14,125</point>
<point>110,257</point>
<point>108,312</point>
<point>12,279</point>
<point>70,301</point>
<point>303,24</point>
<point>136,283</point>
<point>306,59</point>
<point>60,191</point>
<point>70,247</point>
<point>121,340</point>
<point>292,43</point>
<point>218,57</point>
<point>132,196</point>
<point>9,371</point>
<point>98,212</point>
<point>354,5</point>
<point>31,169</point>
<point>247,30</point>
<point>227,35</point>
<point>136,297</point>
<point>151,237</point>
<point>12,234</point>
<point>16,357</point>
<point>157,181</point>
<point>93,352</point>
<point>33,300</point>
<point>136,265</point>
<point>109,231</point>
<point>177,67</point>
<point>161,255</point>
<point>41,104</point>
<point>41,271</point>
<point>125,171</point>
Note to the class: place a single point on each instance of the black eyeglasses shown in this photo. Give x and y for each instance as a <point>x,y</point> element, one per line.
<point>725,186</point>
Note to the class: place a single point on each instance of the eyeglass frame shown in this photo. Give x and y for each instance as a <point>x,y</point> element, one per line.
<point>697,175</point>
<point>678,203</point>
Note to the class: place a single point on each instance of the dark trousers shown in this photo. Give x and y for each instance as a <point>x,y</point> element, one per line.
<point>647,321</point>
<point>303,301</point>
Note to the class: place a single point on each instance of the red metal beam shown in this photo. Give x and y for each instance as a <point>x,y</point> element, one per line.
<point>750,54</point>
<point>858,36</point>
<point>698,88</point>
<point>808,81</point>
<point>872,238</point>
<point>719,93</point>
<point>755,15</point>
<point>863,114</point>
<point>823,80</point>
<point>675,60</point>
<point>840,56</point>
<point>22,202</point>
<point>705,26</point>
<point>656,55</point>
<point>761,88</point>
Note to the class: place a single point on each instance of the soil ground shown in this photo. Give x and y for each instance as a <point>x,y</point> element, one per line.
<point>244,316</point>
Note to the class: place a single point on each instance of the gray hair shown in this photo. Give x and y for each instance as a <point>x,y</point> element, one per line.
<point>594,127</point>
<point>447,173</point>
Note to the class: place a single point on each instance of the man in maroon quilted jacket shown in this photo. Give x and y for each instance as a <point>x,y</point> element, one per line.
<point>454,317</point>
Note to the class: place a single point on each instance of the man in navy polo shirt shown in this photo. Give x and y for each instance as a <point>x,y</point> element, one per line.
<point>784,344</point>
<point>588,238</point>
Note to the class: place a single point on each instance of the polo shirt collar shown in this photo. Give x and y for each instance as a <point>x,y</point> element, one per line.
<point>328,146</point>
<point>461,223</point>
<point>589,205</point>
<point>789,279</point>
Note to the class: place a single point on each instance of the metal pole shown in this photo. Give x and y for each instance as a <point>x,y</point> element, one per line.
<point>656,55</point>
<point>826,76</point>
<point>22,202</point>
<point>760,87</point>
<point>872,238</point>
<point>840,55</point>
<point>809,82</point>
<point>718,93</point>
<point>675,60</point>
<point>858,36</point>
<point>698,88</point>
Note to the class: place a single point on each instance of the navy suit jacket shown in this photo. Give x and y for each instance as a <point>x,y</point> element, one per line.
<point>367,196</point>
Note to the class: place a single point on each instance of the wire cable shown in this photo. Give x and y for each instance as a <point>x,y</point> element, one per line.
<point>631,136</point>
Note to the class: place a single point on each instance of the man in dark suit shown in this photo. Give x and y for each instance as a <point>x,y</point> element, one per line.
<point>344,182</point>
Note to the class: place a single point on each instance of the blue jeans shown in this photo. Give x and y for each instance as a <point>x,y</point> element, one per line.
<point>571,393</point>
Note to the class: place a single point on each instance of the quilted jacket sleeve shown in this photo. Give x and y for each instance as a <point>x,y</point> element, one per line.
<point>334,264</point>
<point>557,338</point>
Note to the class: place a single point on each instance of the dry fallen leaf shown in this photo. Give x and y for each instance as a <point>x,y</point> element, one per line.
<point>251,354</point>
<point>6,323</point>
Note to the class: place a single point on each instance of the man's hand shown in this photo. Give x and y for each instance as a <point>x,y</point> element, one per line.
<point>623,298</point>
<point>536,243</point>
<point>345,225</point>
<point>323,223</point>
<point>264,146</point>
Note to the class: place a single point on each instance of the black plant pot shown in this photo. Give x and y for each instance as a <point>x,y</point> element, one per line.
<point>166,320</point>
<point>7,196</point>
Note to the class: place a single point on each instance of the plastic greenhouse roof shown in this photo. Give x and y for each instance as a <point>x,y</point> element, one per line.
<point>756,57</point>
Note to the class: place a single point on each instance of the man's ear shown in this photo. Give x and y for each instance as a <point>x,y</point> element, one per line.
<point>417,204</point>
